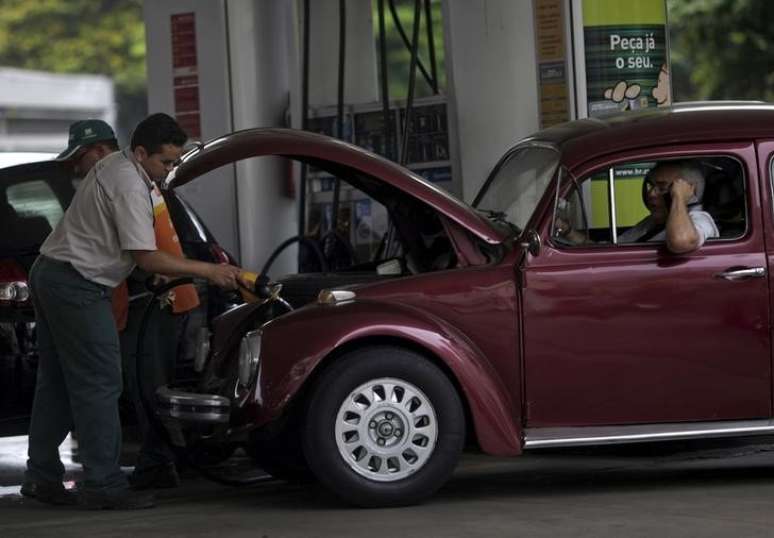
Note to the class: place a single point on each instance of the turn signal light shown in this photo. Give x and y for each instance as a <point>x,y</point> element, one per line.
<point>332,297</point>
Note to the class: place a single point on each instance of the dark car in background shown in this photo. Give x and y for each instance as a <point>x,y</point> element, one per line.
<point>33,198</point>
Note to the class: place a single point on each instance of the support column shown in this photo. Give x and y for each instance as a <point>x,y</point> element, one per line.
<point>260,65</point>
<point>197,90</point>
<point>490,62</point>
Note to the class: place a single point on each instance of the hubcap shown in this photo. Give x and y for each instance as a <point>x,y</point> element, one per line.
<point>386,429</point>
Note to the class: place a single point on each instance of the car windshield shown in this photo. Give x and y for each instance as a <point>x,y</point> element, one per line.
<point>515,188</point>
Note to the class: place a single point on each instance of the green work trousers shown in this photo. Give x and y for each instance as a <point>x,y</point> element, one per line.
<point>79,377</point>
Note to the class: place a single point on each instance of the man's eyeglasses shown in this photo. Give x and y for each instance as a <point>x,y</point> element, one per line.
<point>650,186</point>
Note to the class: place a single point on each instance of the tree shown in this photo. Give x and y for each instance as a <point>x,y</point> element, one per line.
<point>722,49</point>
<point>104,37</point>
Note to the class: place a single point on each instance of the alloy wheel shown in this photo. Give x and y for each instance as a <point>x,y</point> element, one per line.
<point>386,429</point>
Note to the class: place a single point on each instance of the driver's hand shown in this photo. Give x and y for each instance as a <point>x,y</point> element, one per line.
<point>682,190</point>
<point>561,227</point>
<point>224,275</point>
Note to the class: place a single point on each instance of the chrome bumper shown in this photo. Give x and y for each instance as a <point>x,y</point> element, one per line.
<point>181,411</point>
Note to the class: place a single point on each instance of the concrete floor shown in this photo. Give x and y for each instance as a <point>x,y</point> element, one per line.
<point>722,489</point>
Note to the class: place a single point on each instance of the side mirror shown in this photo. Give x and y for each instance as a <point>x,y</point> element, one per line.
<point>531,242</point>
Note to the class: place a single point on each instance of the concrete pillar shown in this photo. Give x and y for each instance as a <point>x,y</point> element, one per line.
<point>214,195</point>
<point>360,71</point>
<point>260,66</point>
<point>492,81</point>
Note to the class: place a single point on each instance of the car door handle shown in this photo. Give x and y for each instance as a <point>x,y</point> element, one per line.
<point>742,273</point>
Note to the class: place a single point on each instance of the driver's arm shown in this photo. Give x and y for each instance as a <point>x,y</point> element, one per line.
<point>681,235</point>
<point>157,261</point>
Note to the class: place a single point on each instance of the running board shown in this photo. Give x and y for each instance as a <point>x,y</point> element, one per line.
<point>643,433</point>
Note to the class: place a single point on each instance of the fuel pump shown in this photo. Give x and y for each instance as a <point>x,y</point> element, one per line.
<point>413,131</point>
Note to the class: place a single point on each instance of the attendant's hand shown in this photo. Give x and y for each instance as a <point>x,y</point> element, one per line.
<point>224,275</point>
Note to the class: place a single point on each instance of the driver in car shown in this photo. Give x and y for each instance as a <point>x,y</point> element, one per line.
<point>672,192</point>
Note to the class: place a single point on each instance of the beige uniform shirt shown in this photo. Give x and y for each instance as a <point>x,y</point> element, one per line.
<point>110,215</point>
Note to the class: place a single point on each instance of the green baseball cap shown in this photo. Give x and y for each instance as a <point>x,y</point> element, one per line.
<point>85,133</point>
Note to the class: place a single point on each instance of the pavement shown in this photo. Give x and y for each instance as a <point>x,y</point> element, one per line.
<point>13,456</point>
<point>676,489</point>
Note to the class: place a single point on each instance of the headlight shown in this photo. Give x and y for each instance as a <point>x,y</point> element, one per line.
<point>14,291</point>
<point>249,356</point>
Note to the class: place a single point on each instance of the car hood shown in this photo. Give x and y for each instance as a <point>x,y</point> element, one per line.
<point>307,146</point>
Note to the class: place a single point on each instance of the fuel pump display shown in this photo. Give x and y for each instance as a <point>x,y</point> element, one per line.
<point>361,221</point>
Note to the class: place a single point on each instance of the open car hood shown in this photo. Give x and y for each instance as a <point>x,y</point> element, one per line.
<point>320,149</point>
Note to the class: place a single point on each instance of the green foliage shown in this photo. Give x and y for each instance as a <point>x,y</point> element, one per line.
<point>399,56</point>
<point>722,49</point>
<point>76,36</point>
<point>105,37</point>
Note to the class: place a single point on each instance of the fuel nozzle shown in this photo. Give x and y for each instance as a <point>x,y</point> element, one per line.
<point>260,287</point>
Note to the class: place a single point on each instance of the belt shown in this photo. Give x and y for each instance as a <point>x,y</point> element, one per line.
<point>69,266</point>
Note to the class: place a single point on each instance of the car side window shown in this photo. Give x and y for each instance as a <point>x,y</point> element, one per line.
<point>585,216</point>
<point>35,199</point>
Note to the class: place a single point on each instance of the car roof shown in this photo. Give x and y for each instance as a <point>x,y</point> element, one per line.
<point>313,147</point>
<point>13,158</point>
<point>586,139</point>
<point>29,170</point>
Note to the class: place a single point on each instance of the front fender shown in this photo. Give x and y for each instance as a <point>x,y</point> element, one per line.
<point>296,344</point>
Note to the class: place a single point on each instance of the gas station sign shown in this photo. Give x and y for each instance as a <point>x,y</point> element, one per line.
<point>551,62</point>
<point>625,55</point>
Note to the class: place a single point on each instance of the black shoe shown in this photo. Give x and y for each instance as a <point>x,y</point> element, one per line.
<point>156,477</point>
<point>125,499</point>
<point>49,492</point>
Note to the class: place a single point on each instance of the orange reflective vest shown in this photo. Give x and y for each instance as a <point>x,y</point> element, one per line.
<point>183,298</point>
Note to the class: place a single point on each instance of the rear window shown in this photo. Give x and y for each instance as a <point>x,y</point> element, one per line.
<point>33,199</point>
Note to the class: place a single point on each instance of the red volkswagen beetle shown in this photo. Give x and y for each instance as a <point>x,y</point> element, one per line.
<point>486,327</point>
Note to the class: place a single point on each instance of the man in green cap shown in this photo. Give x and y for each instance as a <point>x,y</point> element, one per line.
<point>89,141</point>
<point>107,230</point>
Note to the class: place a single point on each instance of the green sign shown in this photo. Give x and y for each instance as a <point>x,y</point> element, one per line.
<point>626,54</point>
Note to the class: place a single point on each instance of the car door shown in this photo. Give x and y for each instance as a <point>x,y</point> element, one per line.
<point>631,334</point>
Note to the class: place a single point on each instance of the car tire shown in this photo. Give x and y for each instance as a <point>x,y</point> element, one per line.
<point>384,427</point>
